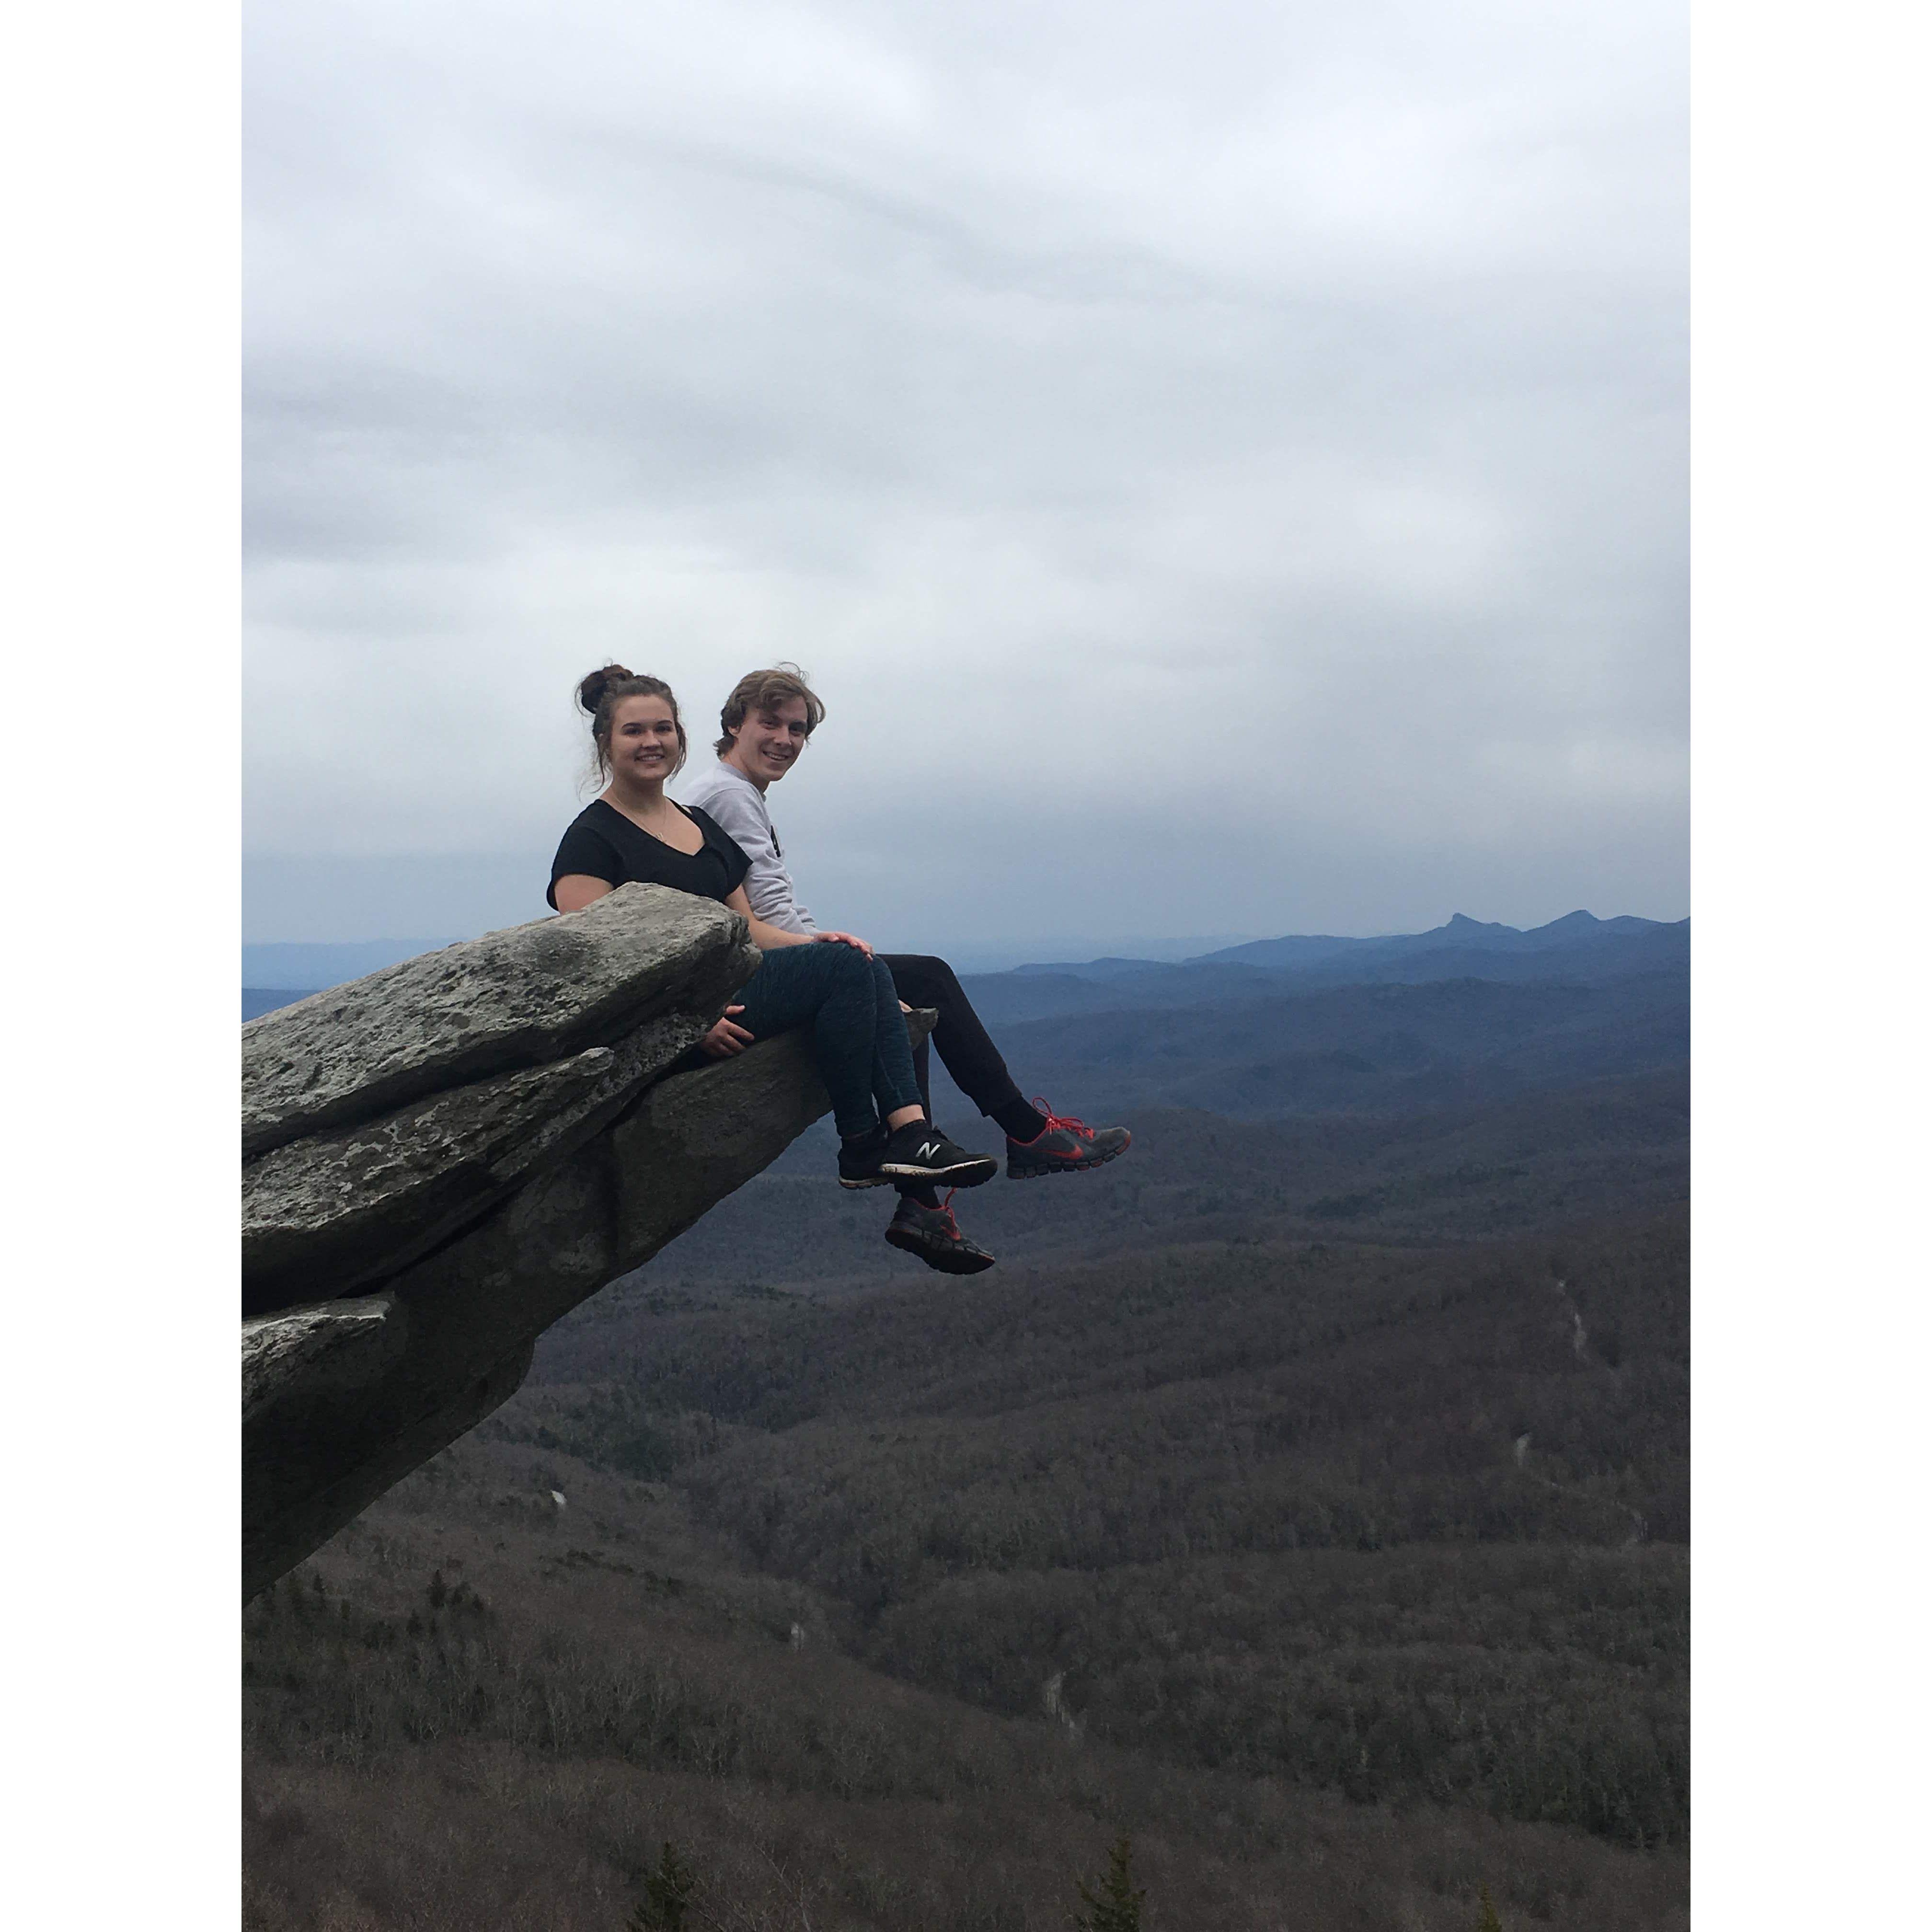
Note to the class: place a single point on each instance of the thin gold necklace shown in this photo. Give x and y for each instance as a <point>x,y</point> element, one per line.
<point>666,814</point>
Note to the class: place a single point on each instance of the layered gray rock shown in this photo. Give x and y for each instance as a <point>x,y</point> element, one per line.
<point>305,1353</point>
<point>482,1211</point>
<point>521,997</point>
<point>325,1214</point>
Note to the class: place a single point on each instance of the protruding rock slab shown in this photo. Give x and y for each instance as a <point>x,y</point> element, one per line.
<point>511,999</point>
<point>474,1308</point>
<point>325,1214</point>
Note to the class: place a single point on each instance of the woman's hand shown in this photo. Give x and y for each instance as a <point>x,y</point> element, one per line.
<point>844,939</point>
<point>726,1037</point>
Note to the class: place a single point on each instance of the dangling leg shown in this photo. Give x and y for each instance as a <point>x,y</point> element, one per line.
<point>1038,1141</point>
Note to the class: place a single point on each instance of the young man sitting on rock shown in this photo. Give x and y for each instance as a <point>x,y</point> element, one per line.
<point>766,723</point>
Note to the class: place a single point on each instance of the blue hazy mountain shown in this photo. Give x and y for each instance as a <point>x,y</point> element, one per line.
<point>1461,935</point>
<point>1578,949</point>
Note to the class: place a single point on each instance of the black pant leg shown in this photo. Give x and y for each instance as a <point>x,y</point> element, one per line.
<point>964,1046</point>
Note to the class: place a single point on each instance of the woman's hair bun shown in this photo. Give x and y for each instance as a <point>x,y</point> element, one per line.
<point>590,692</point>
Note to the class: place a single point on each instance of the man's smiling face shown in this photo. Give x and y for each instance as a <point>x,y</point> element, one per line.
<point>767,745</point>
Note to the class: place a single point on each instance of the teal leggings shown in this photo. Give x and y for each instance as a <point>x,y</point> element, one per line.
<point>858,1033</point>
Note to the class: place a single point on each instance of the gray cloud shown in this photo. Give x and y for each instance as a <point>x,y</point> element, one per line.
<point>1225,466</point>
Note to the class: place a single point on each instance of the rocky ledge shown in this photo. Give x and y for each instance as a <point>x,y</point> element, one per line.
<point>441,1159</point>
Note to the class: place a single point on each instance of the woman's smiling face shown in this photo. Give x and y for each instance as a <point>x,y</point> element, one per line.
<point>643,740</point>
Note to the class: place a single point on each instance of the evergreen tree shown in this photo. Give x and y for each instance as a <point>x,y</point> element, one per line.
<point>670,1893</point>
<point>1115,1905</point>
<point>1489,1922</point>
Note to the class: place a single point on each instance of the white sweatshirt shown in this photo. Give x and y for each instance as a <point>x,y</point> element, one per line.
<point>739,806</point>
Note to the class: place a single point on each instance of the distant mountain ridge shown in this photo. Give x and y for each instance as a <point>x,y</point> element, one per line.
<point>1460,934</point>
<point>1578,949</point>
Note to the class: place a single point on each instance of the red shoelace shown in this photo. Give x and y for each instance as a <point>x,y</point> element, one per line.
<point>1067,1120</point>
<point>946,1207</point>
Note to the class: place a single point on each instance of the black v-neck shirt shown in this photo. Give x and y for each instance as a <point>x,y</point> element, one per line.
<point>602,844</point>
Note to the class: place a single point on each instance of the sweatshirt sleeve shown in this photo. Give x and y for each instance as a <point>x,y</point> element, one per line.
<point>768,886</point>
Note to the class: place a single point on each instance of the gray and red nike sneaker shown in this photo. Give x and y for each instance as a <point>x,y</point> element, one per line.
<point>1063,1146</point>
<point>931,1234</point>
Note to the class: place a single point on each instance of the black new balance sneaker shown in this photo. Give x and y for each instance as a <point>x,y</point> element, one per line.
<point>1064,1146</point>
<point>859,1160</point>
<point>918,1151</point>
<point>931,1234</point>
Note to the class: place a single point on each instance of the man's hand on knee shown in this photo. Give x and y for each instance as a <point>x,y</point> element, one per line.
<point>844,939</point>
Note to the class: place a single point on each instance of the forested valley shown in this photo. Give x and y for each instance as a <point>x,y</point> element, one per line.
<point>1303,1499</point>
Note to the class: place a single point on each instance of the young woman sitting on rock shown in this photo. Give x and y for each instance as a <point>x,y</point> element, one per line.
<point>828,981</point>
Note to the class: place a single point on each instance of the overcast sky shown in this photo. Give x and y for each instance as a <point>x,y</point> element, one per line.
<point>1223,466</point>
